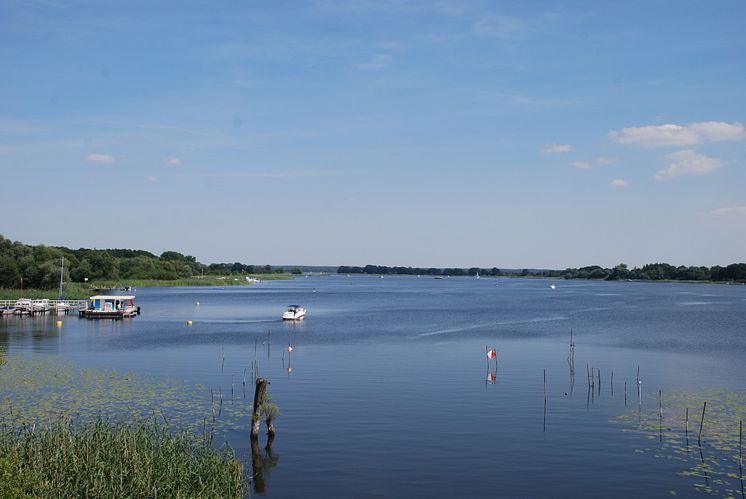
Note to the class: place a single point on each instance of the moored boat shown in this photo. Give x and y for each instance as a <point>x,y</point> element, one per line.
<point>113,290</point>
<point>22,307</point>
<point>40,306</point>
<point>110,307</point>
<point>294,313</point>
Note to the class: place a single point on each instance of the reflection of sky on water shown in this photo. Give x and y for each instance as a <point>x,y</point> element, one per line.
<point>390,393</point>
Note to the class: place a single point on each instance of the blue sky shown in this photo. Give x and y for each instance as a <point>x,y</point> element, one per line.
<point>443,133</point>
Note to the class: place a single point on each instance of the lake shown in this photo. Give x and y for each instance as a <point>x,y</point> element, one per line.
<point>390,392</point>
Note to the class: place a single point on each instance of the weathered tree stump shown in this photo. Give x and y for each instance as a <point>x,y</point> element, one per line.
<point>259,392</point>
<point>257,465</point>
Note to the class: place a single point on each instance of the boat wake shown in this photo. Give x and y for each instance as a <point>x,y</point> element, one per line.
<point>489,324</point>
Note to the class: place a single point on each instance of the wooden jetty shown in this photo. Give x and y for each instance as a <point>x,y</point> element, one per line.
<point>60,307</point>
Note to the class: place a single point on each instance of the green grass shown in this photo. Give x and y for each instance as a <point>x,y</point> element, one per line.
<point>126,460</point>
<point>81,291</point>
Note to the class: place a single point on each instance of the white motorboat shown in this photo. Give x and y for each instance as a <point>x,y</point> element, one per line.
<point>294,313</point>
<point>40,306</point>
<point>22,307</point>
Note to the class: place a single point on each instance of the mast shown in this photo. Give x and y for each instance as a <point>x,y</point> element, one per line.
<point>62,273</point>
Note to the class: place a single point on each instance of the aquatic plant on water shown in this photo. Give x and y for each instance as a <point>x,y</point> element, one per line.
<point>42,390</point>
<point>712,461</point>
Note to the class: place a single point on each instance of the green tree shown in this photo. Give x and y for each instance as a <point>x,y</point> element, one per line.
<point>82,271</point>
<point>10,276</point>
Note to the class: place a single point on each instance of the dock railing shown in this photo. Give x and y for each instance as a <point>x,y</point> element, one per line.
<point>53,304</point>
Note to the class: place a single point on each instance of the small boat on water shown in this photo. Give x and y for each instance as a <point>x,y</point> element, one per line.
<point>22,307</point>
<point>40,306</point>
<point>552,286</point>
<point>112,290</point>
<point>294,313</point>
<point>110,307</point>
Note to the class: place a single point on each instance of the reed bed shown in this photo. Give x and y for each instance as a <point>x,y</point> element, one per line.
<point>139,459</point>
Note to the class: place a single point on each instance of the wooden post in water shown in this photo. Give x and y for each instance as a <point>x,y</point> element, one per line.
<point>256,419</point>
<point>639,388</point>
<point>702,422</point>
<point>544,425</point>
<point>740,446</point>
<point>545,386</point>
<point>660,414</point>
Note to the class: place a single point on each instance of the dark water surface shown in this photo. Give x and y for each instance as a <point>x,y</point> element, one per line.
<point>388,395</point>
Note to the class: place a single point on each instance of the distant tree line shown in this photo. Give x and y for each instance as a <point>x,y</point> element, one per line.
<point>39,266</point>
<point>654,272</point>
<point>650,272</point>
<point>383,270</point>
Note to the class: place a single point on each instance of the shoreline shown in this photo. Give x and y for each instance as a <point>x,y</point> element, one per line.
<point>80,291</point>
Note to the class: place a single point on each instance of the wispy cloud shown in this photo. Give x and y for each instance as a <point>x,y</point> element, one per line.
<point>173,160</point>
<point>606,161</point>
<point>379,61</point>
<point>678,135</point>
<point>618,182</point>
<point>731,211</point>
<point>152,179</point>
<point>688,162</point>
<point>557,149</point>
<point>498,26</point>
<point>583,165</point>
<point>268,174</point>
<point>100,158</point>
<point>16,127</point>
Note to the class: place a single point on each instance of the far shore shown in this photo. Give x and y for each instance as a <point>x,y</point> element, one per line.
<point>80,291</point>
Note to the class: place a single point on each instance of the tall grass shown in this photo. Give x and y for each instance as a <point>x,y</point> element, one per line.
<point>103,460</point>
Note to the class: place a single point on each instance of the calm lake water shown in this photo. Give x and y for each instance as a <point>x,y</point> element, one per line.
<point>391,394</point>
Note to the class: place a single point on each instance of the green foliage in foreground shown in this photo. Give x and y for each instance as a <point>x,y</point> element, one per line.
<point>102,460</point>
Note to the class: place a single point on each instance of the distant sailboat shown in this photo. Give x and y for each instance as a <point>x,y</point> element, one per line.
<point>61,308</point>
<point>62,273</point>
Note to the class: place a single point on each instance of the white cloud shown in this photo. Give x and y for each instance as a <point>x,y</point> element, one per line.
<point>688,162</point>
<point>152,179</point>
<point>100,158</point>
<point>174,161</point>
<point>497,27</point>
<point>379,61</point>
<point>678,135</point>
<point>606,161</point>
<point>557,148</point>
<point>618,182</point>
<point>732,211</point>
<point>583,165</point>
